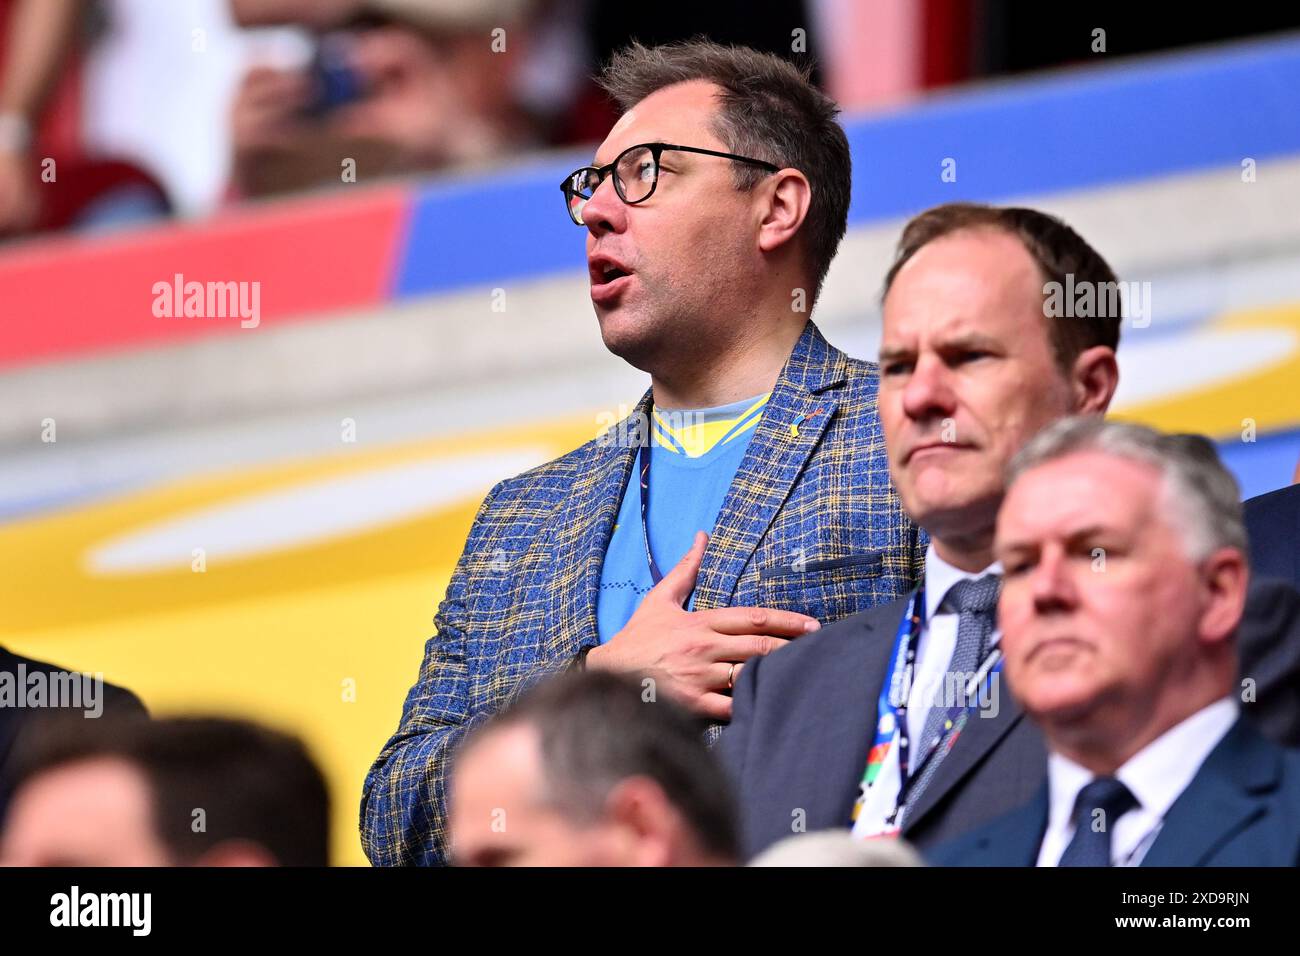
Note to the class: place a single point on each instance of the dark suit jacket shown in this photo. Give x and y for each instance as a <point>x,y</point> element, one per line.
<point>21,722</point>
<point>803,720</point>
<point>1241,809</point>
<point>1268,644</point>
<point>1273,524</point>
<point>804,717</point>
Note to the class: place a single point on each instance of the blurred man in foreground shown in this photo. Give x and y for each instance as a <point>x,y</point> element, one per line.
<point>1124,556</point>
<point>175,792</point>
<point>837,848</point>
<point>34,694</point>
<point>590,770</point>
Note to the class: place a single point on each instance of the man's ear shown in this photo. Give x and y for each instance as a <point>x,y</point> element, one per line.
<point>639,807</point>
<point>1094,378</point>
<point>786,196</point>
<point>1224,578</point>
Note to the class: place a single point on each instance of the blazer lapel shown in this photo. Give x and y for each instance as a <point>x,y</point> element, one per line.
<point>793,421</point>
<point>847,696</point>
<point>580,534</point>
<point>978,737</point>
<point>1222,798</point>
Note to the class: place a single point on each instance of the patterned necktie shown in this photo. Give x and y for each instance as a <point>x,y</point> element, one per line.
<point>975,600</point>
<point>1098,806</point>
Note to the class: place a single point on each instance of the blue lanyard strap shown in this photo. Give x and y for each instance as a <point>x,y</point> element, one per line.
<point>892,704</point>
<point>955,721</point>
<point>643,467</point>
<point>898,688</point>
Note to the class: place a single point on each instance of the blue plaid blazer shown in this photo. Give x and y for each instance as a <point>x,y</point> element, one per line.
<point>811,524</point>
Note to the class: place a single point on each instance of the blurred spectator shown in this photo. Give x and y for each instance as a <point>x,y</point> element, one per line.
<point>33,693</point>
<point>158,80</point>
<point>585,771</point>
<point>783,27</point>
<point>838,848</point>
<point>395,85</point>
<point>202,791</point>
<point>49,179</point>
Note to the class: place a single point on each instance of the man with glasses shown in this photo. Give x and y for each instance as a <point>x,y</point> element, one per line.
<point>752,472</point>
<point>636,174</point>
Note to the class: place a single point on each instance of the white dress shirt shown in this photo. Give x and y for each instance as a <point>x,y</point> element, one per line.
<point>933,657</point>
<point>1156,775</point>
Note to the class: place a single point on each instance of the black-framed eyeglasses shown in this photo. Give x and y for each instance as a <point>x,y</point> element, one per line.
<point>636,174</point>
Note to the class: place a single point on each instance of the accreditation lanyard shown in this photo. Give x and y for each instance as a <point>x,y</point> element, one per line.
<point>643,466</point>
<point>891,709</point>
<point>643,469</point>
<point>739,425</point>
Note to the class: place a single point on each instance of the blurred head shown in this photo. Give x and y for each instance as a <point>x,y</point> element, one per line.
<point>583,771</point>
<point>971,364</point>
<point>1125,565</point>
<point>838,848</point>
<point>718,239</point>
<point>185,791</point>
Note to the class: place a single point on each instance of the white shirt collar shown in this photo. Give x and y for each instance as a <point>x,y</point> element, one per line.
<point>1156,774</point>
<point>940,576</point>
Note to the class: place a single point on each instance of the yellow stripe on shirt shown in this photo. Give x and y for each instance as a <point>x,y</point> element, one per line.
<point>697,437</point>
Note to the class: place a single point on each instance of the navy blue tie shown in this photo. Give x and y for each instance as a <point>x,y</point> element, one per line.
<point>1098,806</point>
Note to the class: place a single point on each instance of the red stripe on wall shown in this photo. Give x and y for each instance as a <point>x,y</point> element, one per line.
<point>68,296</point>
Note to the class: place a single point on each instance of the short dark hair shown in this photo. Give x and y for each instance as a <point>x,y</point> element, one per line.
<point>252,783</point>
<point>1056,249</point>
<point>769,109</point>
<point>597,729</point>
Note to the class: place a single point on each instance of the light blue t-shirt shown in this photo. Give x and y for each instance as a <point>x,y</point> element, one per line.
<point>686,494</point>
